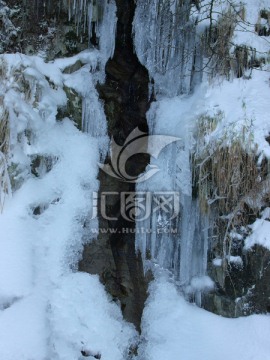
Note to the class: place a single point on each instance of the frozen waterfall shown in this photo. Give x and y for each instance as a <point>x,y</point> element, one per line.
<point>164,38</point>
<point>95,16</point>
<point>103,14</point>
<point>165,41</point>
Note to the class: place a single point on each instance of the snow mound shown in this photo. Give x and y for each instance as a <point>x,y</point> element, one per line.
<point>175,329</point>
<point>83,319</point>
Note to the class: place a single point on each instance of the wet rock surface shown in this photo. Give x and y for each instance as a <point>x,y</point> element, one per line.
<point>241,290</point>
<point>40,27</point>
<point>126,101</point>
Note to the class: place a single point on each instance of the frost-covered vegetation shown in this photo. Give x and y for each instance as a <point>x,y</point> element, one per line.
<point>220,166</point>
<point>224,120</point>
<point>49,172</point>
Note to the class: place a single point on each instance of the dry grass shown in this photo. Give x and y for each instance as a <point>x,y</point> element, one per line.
<point>229,183</point>
<point>227,176</point>
<point>224,57</point>
<point>217,43</point>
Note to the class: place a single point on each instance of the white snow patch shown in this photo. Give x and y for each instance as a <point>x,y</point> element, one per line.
<point>260,234</point>
<point>175,329</point>
<point>266,214</point>
<point>84,318</point>
<point>201,283</point>
<point>217,262</point>
<point>236,260</point>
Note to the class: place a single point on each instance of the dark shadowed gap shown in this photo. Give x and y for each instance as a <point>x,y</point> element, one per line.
<point>126,101</point>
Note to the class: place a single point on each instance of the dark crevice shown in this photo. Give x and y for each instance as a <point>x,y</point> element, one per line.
<point>126,101</point>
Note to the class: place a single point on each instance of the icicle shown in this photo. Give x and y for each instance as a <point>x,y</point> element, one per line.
<point>178,244</point>
<point>164,39</point>
<point>107,30</point>
<point>101,13</point>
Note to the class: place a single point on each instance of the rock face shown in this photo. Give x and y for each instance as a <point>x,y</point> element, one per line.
<point>243,196</point>
<point>239,274</point>
<point>242,289</point>
<point>43,28</point>
<point>39,26</point>
<point>125,97</point>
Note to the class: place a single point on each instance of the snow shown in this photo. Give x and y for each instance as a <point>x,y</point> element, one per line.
<point>86,57</point>
<point>175,329</point>
<point>240,108</point>
<point>86,320</point>
<point>266,213</point>
<point>245,31</point>
<point>200,283</point>
<point>23,329</point>
<point>260,234</point>
<point>236,260</point>
<point>244,105</point>
<point>46,310</point>
<point>240,111</point>
<point>217,262</point>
